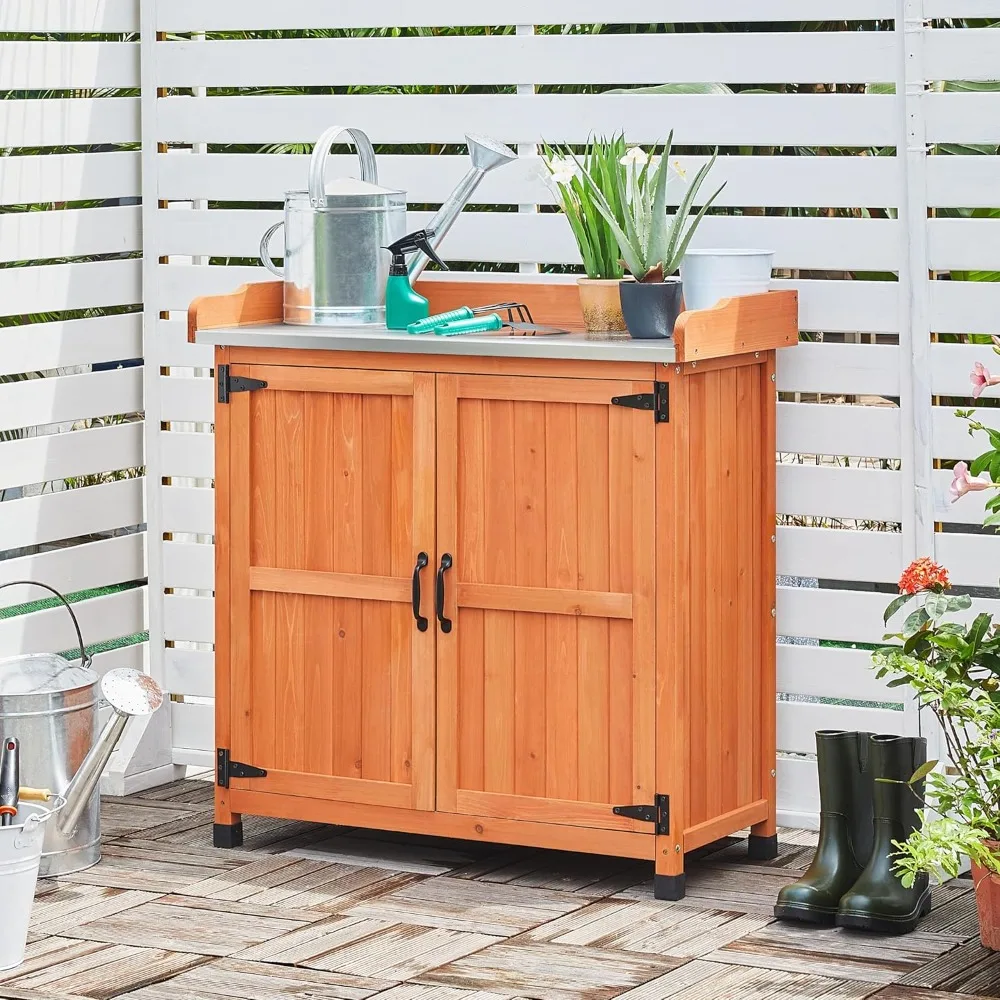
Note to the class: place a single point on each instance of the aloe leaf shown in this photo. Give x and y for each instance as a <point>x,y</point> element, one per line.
<point>684,210</point>
<point>626,241</point>
<point>682,249</point>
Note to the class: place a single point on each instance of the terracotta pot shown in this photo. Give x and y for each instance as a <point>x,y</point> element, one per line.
<point>988,903</point>
<point>601,305</point>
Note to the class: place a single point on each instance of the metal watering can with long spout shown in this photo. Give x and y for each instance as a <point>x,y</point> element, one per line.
<point>51,705</point>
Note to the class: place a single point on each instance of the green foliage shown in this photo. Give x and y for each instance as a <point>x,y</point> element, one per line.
<point>954,670</point>
<point>594,235</point>
<point>651,242</point>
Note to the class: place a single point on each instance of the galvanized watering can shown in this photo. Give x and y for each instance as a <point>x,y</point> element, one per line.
<point>50,704</point>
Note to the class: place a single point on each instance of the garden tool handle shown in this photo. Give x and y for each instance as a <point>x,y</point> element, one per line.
<point>85,658</point>
<point>321,151</point>
<point>28,794</point>
<point>432,322</point>
<point>479,324</point>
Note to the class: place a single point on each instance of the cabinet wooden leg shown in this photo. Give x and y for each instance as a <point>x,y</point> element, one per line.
<point>763,845</point>
<point>669,878</point>
<point>228,828</point>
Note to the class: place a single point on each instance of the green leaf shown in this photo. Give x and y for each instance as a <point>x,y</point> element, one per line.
<point>675,88</point>
<point>936,605</point>
<point>921,772</point>
<point>915,620</point>
<point>894,606</point>
<point>960,602</point>
<point>980,464</point>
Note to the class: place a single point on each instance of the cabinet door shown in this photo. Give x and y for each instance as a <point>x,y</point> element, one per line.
<point>546,680</point>
<point>331,497</point>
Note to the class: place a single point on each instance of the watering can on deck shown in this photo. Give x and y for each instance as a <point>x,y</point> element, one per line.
<point>51,705</point>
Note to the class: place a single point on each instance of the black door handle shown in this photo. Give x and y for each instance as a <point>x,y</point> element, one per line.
<point>422,560</point>
<point>439,602</point>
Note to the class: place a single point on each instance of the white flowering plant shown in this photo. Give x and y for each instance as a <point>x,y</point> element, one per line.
<point>594,236</point>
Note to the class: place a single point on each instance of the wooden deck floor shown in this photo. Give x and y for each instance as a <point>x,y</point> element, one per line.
<point>325,913</point>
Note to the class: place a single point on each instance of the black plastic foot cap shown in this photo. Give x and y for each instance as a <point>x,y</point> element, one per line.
<point>762,848</point>
<point>227,835</point>
<point>668,886</point>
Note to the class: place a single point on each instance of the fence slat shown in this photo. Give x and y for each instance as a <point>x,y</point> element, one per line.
<point>71,514</point>
<point>190,672</point>
<point>236,15</point>
<point>542,59</point>
<point>840,615</point>
<point>798,722</point>
<point>965,306</point>
<point>839,554</point>
<point>188,566</point>
<point>743,119</point>
<point>851,369</point>
<point>68,65</point>
<point>824,672</point>
<point>188,619</point>
<point>76,567</point>
<point>971,117</point>
<point>770,181</point>
<point>189,510</point>
<point>834,429</point>
<point>33,236</point>
<point>825,491</point>
<point>71,121</point>
<point>36,402</point>
<point>78,453</point>
<point>36,347</point>
<point>964,244</point>
<point>25,290</point>
<point>28,180</point>
<point>809,244</point>
<point>83,16</point>
<point>188,455</point>
<point>964,54</point>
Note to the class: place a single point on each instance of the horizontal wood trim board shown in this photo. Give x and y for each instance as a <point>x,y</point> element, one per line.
<point>331,787</point>
<point>544,600</point>
<point>564,813</point>
<point>722,826</point>
<point>388,383</point>
<point>350,585</point>
<point>545,389</point>
<point>484,829</point>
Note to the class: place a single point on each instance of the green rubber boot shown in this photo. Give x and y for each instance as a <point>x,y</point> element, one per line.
<point>845,829</point>
<point>877,901</point>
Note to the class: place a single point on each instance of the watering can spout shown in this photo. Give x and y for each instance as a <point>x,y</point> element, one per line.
<point>485,154</point>
<point>129,693</point>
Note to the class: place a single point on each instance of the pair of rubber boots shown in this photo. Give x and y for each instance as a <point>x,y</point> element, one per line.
<point>851,881</point>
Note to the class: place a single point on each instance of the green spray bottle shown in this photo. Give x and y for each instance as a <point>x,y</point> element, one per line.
<point>403,305</point>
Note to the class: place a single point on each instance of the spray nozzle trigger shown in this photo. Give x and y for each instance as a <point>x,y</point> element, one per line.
<point>411,243</point>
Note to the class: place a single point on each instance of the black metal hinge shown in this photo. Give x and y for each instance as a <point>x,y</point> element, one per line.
<point>657,401</point>
<point>236,383</point>
<point>226,769</point>
<point>658,813</point>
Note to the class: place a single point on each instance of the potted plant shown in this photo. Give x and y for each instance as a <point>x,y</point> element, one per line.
<point>954,669</point>
<point>652,244</point>
<point>595,238</point>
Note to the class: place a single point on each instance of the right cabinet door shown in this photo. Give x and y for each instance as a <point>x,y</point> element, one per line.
<point>546,675</point>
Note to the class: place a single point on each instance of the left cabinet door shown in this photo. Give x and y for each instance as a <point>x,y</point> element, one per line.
<point>330,497</point>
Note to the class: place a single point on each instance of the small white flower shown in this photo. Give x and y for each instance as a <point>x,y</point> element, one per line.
<point>679,170</point>
<point>635,156</point>
<point>562,170</point>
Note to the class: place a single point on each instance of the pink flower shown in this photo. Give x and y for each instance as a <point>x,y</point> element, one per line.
<point>963,483</point>
<point>980,378</point>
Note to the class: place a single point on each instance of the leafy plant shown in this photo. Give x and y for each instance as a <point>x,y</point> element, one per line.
<point>594,235</point>
<point>953,669</point>
<point>651,242</point>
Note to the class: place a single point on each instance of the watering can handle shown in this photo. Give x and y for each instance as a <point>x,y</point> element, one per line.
<point>317,165</point>
<point>265,252</point>
<point>85,658</point>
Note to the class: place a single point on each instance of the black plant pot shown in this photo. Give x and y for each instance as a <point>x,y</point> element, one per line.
<point>651,308</point>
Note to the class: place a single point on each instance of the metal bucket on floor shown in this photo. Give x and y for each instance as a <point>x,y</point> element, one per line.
<point>50,704</point>
<point>20,854</point>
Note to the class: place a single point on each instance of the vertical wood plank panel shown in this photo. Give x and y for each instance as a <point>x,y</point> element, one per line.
<point>714,694</point>
<point>470,627</point>
<point>263,475</point>
<point>376,548</point>
<point>731,643</point>
<point>289,707</point>
<point>318,662</point>
<point>747,450</point>
<point>562,737</point>
<point>699,640</point>
<point>593,520</point>
<point>348,558</point>
<point>621,490</point>
<point>499,532</point>
<point>529,629</point>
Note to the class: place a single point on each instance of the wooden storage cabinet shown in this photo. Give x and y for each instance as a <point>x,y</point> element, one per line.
<point>596,581</point>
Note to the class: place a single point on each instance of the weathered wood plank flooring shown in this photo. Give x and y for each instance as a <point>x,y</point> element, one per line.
<point>325,913</point>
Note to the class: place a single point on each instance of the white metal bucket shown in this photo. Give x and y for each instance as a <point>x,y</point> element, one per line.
<point>712,275</point>
<point>20,854</point>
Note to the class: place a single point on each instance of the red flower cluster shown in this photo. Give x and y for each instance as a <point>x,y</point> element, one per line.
<point>923,574</point>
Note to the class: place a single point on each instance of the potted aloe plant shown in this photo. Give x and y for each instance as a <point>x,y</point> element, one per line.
<point>599,299</point>
<point>652,244</point>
